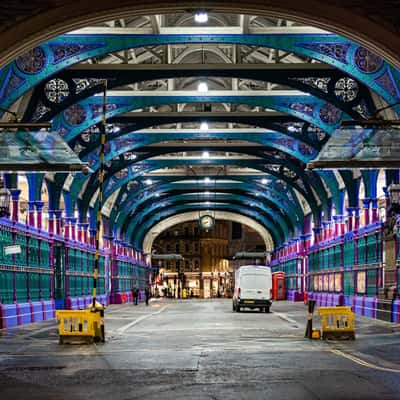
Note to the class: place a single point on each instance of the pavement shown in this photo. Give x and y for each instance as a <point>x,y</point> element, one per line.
<point>200,349</point>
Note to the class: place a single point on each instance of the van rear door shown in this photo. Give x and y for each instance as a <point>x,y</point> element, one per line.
<point>255,286</point>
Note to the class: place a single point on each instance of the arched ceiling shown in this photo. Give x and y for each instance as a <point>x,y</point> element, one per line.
<point>276,90</point>
<point>193,216</point>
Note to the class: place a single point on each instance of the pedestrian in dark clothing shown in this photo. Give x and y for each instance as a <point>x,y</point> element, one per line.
<point>136,294</point>
<point>147,295</point>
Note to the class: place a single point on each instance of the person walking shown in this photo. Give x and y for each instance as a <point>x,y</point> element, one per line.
<point>136,294</point>
<point>147,295</point>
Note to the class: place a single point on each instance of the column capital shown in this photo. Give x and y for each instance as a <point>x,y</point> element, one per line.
<point>15,193</point>
<point>366,202</point>
<point>39,205</point>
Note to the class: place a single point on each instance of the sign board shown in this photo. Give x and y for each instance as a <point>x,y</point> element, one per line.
<point>16,249</point>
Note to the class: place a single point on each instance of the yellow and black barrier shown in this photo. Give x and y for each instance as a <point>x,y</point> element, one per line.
<point>337,323</point>
<point>81,325</point>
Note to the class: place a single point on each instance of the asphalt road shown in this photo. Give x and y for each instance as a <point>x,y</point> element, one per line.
<point>200,349</point>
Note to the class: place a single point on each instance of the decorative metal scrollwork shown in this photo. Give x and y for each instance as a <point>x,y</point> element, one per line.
<point>366,61</point>
<point>56,90</point>
<point>346,89</point>
<point>288,173</point>
<point>75,114</point>
<point>123,173</point>
<point>330,114</point>
<point>33,61</point>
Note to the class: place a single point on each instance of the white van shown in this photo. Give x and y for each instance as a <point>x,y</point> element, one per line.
<point>253,288</point>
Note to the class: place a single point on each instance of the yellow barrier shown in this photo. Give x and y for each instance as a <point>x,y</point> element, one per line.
<point>81,325</point>
<point>337,322</point>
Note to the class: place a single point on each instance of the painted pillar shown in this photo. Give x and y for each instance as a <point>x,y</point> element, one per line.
<point>374,211</point>
<point>15,193</point>
<point>92,239</point>
<point>51,221</point>
<point>356,212</point>
<point>66,228</point>
<point>85,226</point>
<point>31,213</point>
<point>73,228</point>
<point>317,234</point>
<point>366,210</point>
<point>57,214</point>
<point>337,220</point>
<point>349,219</point>
<point>39,211</point>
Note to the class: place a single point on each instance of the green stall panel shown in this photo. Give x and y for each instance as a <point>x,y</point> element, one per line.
<point>372,254</point>
<point>362,259</point>
<point>6,287</point>
<point>34,286</point>
<point>22,287</point>
<point>348,288</point>
<point>348,253</point>
<point>44,254</point>
<point>45,285</point>
<point>372,282</point>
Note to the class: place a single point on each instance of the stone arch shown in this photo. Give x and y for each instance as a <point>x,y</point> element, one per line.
<point>194,215</point>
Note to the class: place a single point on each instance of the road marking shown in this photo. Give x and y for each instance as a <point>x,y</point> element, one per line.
<point>124,328</point>
<point>285,318</point>
<point>362,362</point>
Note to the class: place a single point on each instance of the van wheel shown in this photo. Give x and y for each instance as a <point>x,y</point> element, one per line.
<point>237,309</point>
<point>262,309</point>
<point>267,310</point>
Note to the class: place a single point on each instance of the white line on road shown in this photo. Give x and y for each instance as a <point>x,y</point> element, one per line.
<point>364,363</point>
<point>124,328</point>
<point>286,318</point>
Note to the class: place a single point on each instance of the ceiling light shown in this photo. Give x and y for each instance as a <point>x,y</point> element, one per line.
<point>201,17</point>
<point>203,126</point>
<point>207,179</point>
<point>207,193</point>
<point>148,181</point>
<point>202,87</point>
<point>264,181</point>
<point>206,154</point>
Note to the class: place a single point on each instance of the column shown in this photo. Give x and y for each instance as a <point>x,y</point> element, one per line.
<point>374,211</point>
<point>349,219</point>
<point>317,234</point>
<point>85,226</point>
<point>337,220</point>
<point>15,193</point>
<point>66,228</point>
<point>57,214</point>
<point>72,222</point>
<point>51,221</point>
<point>356,212</point>
<point>366,210</point>
<point>39,210</point>
<point>31,213</point>
<point>92,233</point>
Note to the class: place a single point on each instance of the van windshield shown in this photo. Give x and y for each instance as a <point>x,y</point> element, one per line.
<point>253,281</point>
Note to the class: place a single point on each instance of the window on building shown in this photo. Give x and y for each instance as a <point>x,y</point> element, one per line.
<point>187,249</point>
<point>168,265</point>
<point>178,265</point>
<point>196,231</point>
<point>187,265</point>
<point>186,231</point>
<point>168,248</point>
<point>196,265</point>
<point>196,247</point>
<point>177,248</point>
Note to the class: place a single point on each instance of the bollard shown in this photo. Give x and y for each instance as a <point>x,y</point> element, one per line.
<point>311,307</point>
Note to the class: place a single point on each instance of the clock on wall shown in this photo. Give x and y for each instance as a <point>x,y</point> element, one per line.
<point>206,222</point>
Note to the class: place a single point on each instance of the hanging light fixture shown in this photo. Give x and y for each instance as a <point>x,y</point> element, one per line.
<point>201,17</point>
<point>202,87</point>
<point>5,198</point>
<point>203,126</point>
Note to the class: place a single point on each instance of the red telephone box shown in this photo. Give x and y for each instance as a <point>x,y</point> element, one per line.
<point>278,286</point>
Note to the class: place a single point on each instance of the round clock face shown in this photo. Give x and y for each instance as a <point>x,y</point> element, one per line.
<point>206,221</point>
